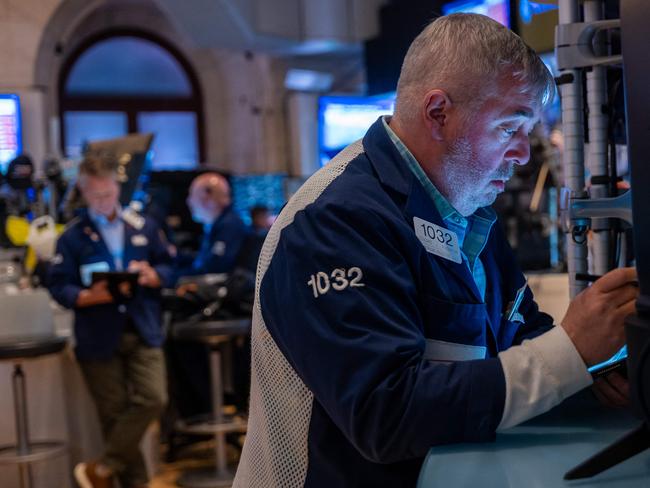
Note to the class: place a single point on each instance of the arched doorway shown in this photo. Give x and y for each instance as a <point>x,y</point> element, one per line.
<point>125,81</point>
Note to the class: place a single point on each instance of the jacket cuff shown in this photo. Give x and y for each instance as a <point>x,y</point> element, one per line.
<point>166,275</point>
<point>486,400</point>
<point>70,296</point>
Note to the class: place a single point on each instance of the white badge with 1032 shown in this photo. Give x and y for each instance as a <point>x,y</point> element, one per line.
<point>438,240</point>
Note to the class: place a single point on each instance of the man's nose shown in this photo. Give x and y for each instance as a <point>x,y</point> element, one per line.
<point>519,152</point>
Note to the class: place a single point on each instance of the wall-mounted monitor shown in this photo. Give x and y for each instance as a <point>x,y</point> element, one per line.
<point>344,119</point>
<point>10,130</point>
<point>498,10</point>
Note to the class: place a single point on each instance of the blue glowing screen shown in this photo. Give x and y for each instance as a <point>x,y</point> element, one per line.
<point>252,190</point>
<point>498,10</point>
<point>344,119</point>
<point>10,129</point>
<point>621,354</point>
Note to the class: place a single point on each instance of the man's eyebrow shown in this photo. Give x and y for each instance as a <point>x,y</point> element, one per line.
<point>526,113</point>
<point>522,112</point>
<point>518,114</point>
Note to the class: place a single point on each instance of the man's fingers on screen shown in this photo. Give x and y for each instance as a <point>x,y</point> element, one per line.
<point>101,285</point>
<point>600,397</point>
<point>624,295</point>
<point>615,279</point>
<point>609,395</point>
<point>619,383</point>
<point>628,308</point>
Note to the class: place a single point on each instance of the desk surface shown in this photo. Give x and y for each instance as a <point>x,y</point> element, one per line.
<point>539,452</point>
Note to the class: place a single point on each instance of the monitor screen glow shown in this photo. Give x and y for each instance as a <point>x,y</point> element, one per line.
<point>249,191</point>
<point>498,10</point>
<point>345,119</point>
<point>10,129</point>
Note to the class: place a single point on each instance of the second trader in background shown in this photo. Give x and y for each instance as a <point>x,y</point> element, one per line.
<point>118,345</point>
<point>224,237</point>
<point>224,232</point>
<point>390,313</point>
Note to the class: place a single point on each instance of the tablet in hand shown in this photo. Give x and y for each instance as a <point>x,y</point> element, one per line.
<point>121,284</point>
<point>618,362</point>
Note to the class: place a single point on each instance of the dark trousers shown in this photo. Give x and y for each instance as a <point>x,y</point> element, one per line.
<point>129,391</point>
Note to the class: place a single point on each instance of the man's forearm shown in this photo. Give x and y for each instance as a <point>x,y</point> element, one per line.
<point>540,373</point>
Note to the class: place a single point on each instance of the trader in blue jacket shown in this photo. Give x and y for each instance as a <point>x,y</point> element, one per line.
<point>224,236</point>
<point>224,232</point>
<point>118,345</point>
<point>390,313</point>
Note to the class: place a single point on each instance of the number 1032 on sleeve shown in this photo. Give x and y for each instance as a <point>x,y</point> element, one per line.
<point>337,280</point>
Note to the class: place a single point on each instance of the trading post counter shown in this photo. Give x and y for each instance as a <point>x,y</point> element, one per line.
<point>538,453</point>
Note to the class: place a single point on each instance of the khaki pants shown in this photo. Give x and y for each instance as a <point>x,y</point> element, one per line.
<point>129,392</point>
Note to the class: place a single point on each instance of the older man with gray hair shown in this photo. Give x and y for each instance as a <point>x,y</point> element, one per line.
<point>390,312</point>
<point>210,202</point>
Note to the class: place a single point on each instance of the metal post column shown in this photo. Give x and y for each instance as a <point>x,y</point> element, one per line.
<point>573,131</point>
<point>597,156</point>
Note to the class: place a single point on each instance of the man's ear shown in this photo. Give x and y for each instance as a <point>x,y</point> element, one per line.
<point>436,112</point>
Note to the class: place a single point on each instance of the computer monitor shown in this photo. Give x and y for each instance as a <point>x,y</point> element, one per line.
<point>498,10</point>
<point>344,119</point>
<point>10,129</point>
<point>250,191</point>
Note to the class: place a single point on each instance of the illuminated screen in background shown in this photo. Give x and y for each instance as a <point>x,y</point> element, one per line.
<point>342,120</point>
<point>498,10</point>
<point>10,130</point>
<point>553,112</point>
<point>253,190</point>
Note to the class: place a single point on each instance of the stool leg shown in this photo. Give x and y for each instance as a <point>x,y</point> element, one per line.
<point>217,409</point>
<point>22,429</point>
<point>26,480</point>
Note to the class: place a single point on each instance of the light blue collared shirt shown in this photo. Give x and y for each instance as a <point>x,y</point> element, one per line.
<point>112,233</point>
<point>472,231</point>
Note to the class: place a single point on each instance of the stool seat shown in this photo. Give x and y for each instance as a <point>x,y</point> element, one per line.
<point>30,346</point>
<point>38,451</point>
<point>16,347</point>
<point>206,329</point>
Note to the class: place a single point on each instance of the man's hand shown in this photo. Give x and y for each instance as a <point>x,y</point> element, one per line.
<point>97,294</point>
<point>612,390</point>
<point>183,290</point>
<point>594,320</point>
<point>148,276</point>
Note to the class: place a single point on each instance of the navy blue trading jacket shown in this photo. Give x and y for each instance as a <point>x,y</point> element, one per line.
<point>220,248</point>
<point>98,328</point>
<point>349,385</point>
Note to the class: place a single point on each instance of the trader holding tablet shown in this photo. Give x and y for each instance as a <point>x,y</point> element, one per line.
<point>117,322</point>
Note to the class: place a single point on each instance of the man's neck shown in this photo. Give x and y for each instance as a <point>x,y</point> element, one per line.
<point>424,152</point>
<point>112,217</point>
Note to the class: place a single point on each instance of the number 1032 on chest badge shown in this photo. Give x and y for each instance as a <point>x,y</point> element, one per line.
<point>437,240</point>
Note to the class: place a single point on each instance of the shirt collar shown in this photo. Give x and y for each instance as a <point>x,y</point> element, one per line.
<point>445,209</point>
<point>102,221</point>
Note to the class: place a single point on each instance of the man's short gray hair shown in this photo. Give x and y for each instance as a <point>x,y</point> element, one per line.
<point>98,167</point>
<point>464,55</point>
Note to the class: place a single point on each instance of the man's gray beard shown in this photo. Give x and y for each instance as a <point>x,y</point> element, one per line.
<point>462,172</point>
<point>459,172</point>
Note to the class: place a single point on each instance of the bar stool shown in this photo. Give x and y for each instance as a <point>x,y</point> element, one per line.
<point>25,452</point>
<point>214,333</point>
